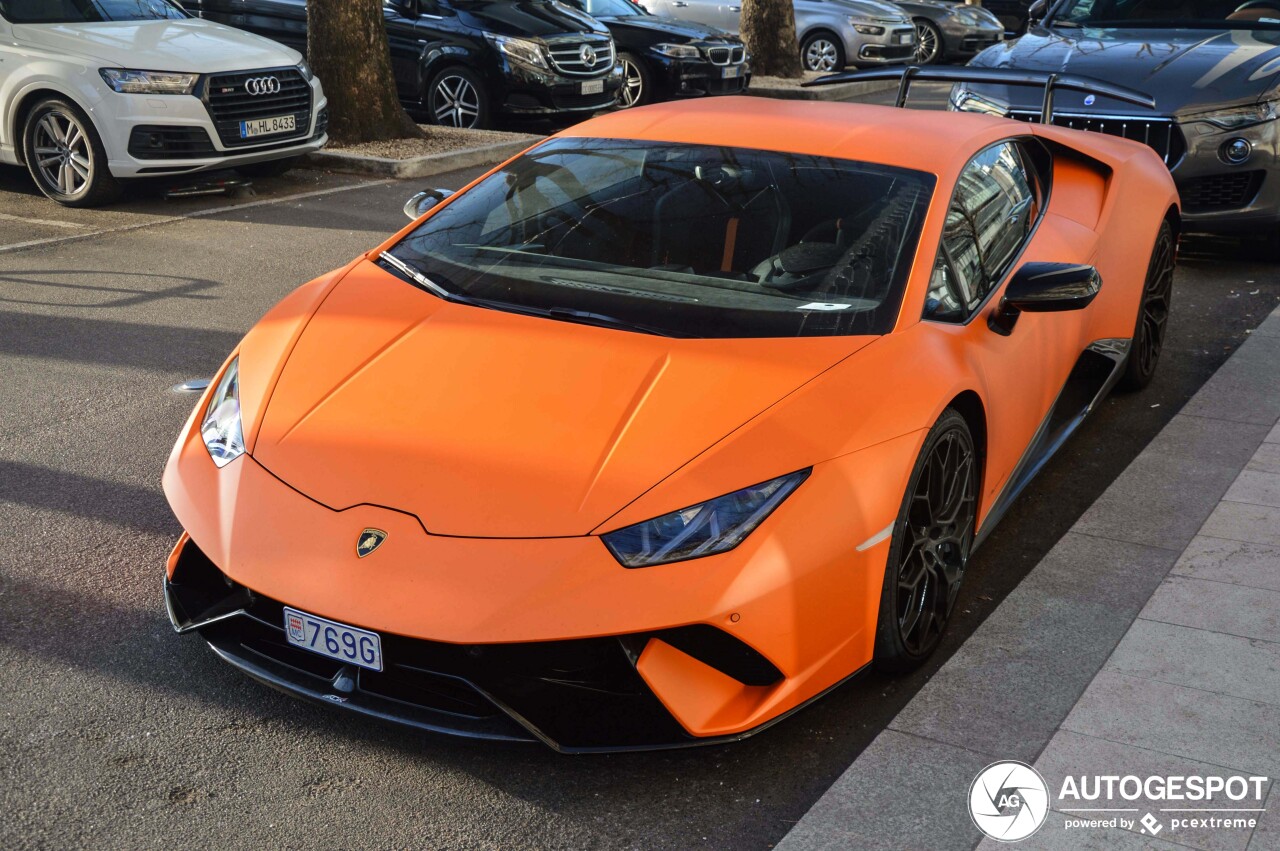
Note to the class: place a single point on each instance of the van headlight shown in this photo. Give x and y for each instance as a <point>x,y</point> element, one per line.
<point>221,428</point>
<point>711,527</point>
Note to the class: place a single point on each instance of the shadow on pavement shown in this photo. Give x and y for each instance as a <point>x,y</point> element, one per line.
<point>117,297</point>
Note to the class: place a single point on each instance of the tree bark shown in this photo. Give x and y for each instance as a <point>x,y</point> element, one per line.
<point>347,48</point>
<point>769,29</point>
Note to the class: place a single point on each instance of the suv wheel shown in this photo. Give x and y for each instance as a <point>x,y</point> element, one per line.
<point>456,98</point>
<point>65,155</point>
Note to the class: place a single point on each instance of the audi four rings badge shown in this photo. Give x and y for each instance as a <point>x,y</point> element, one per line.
<point>262,86</point>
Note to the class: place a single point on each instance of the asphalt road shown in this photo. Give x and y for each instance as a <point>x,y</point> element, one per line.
<point>114,732</point>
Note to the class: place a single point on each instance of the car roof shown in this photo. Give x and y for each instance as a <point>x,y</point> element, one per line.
<point>925,140</point>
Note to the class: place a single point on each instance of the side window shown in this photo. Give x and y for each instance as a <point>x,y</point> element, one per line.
<point>991,214</point>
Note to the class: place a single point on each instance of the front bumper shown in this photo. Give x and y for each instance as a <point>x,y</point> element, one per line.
<point>176,134</point>
<point>526,91</point>
<point>680,78</point>
<point>962,41</point>
<point>885,49</point>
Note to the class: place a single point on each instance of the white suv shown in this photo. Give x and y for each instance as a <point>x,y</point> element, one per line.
<point>95,91</point>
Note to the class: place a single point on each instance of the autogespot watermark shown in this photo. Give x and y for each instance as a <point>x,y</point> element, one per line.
<point>1010,801</point>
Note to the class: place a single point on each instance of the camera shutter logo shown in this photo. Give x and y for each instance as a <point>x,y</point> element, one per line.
<point>1008,801</point>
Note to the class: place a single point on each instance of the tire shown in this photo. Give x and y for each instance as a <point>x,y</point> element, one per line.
<point>457,98</point>
<point>637,82</point>
<point>929,47</point>
<point>65,156</point>
<point>270,168</point>
<point>932,538</point>
<point>1153,315</point>
<point>822,51</point>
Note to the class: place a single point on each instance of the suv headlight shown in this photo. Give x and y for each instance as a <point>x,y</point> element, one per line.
<point>678,51</point>
<point>1241,116</point>
<point>865,26</point>
<point>128,82</point>
<point>712,527</point>
<point>520,49</point>
<point>305,70</point>
<point>221,430</point>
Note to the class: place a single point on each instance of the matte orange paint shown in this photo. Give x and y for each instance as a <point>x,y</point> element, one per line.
<point>495,448</point>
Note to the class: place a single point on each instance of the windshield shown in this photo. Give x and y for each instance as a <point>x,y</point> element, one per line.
<point>686,240</point>
<point>608,8</point>
<point>1216,14</point>
<point>87,11</point>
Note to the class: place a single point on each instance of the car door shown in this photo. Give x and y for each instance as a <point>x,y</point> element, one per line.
<point>403,19</point>
<point>992,217</point>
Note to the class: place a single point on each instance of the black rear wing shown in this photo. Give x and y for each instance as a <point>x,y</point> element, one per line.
<point>908,74</point>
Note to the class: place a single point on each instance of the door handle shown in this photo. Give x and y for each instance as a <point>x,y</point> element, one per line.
<point>735,8</point>
<point>679,4</point>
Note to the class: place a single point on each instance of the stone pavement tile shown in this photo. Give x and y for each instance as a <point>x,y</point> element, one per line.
<point>1266,459</point>
<point>1256,487</point>
<point>1218,606</point>
<point>1073,755</point>
<point>1241,521</point>
<point>1019,674</point>
<point>1270,326</point>
<point>902,792</point>
<point>1236,562</point>
<point>1226,664</point>
<point>1199,725</point>
<point>1165,494</point>
<point>1246,388</point>
<point>1266,836</point>
<point>1274,435</point>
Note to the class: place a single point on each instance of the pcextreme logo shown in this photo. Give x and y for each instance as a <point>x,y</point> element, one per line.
<point>1010,800</point>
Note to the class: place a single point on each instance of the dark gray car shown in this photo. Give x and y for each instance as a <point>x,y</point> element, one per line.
<point>1213,67</point>
<point>950,31</point>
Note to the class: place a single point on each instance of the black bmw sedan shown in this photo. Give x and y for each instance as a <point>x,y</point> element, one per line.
<point>1213,67</point>
<point>664,58</point>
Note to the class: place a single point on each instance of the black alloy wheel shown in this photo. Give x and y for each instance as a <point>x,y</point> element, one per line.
<point>1153,314</point>
<point>928,42</point>
<point>457,98</point>
<point>635,81</point>
<point>932,539</point>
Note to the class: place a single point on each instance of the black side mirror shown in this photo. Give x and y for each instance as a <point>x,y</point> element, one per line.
<point>1044,288</point>
<point>1035,12</point>
<point>423,201</point>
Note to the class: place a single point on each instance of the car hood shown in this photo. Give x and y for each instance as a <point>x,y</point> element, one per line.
<point>525,18</point>
<point>864,8</point>
<point>191,45</point>
<point>490,424</point>
<point>670,27</point>
<point>1184,70</point>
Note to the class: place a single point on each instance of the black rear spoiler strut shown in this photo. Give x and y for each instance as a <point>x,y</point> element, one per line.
<point>906,75</point>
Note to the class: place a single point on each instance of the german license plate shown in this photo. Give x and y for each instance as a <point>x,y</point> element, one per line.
<point>906,38</point>
<point>267,126</point>
<point>592,87</point>
<point>333,639</point>
<point>732,71</point>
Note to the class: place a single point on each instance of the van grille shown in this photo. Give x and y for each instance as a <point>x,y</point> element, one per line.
<point>567,57</point>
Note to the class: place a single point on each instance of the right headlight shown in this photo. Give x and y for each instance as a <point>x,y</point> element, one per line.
<point>519,49</point>
<point>130,82</point>
<point>711,527</point>
<point>865,26</point>
<point>221,427</point>
<point>677,51</point>
<point>1241,116</point>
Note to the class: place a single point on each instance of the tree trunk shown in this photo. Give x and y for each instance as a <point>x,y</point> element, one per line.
<point>347,48</point>
<point>769,29</point>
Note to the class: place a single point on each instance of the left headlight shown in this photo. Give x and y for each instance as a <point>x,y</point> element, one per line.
<point>1240,117</point>
<point>519,49</point>
<point>865,26</point>
<point>221,429</point>
<point>711,527</point>
<point>130,82</point>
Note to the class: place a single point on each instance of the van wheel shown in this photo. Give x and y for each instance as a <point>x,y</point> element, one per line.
<point>457,98</point>
<point>65,156</point>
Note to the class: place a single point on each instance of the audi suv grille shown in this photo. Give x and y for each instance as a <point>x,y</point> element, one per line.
<point>567,56</point>
<point>1161,134</point>
<point>228,99</point>
<point>726,55</point>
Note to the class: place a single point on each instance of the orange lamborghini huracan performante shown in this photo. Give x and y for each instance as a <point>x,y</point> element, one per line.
<point>668,425</point>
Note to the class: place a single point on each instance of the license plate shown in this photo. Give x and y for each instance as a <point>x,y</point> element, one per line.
<point>733,71</point>
<point>333,639</point>
<point>593,87</point>
<point>267,126</point>
<point>906,38</point>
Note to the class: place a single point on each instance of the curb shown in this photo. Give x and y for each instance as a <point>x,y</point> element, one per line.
<point>840,92</point>
<point>419,166</point>
<point>1008,689</point>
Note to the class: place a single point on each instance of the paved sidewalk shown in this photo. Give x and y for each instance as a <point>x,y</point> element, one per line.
<point>1147,642</point>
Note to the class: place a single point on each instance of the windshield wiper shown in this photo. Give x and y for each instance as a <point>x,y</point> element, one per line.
<point>602,320</point>
<point>420,279</point>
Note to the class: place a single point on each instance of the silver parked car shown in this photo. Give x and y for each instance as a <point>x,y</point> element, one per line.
<point>832,33</point>
<point>950,31</point>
